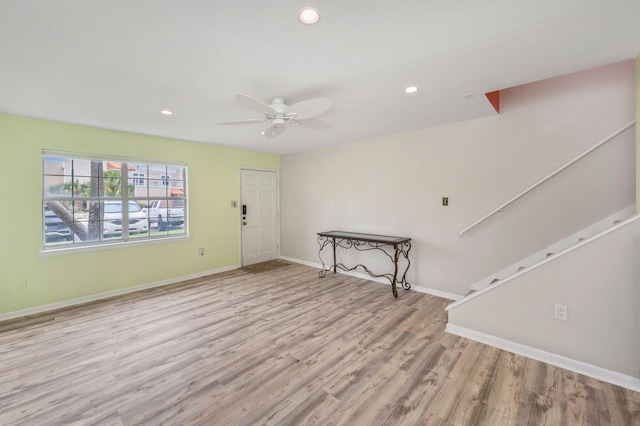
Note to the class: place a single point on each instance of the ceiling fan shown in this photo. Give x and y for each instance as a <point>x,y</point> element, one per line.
<point>280,114</point>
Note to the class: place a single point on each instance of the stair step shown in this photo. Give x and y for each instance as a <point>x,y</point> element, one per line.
<point>494,280</point>
<point>470,292</point>
<point>581,239</point>
<point>549,254</point>
<point>615,222</point>
<point>521,268</point>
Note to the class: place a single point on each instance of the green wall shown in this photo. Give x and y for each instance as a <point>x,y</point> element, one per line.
<point>213,181</point>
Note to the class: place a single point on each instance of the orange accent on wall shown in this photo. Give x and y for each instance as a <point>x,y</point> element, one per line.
<point>494,98</point>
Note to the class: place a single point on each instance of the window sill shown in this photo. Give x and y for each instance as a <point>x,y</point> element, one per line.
<point>111,246</point>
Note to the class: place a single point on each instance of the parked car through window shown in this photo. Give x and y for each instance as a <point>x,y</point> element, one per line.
<point>54,228</point>
<point>165,213</point>
<point>138,222</point>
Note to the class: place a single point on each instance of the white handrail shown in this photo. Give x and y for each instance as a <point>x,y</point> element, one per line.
<point>546,178</point>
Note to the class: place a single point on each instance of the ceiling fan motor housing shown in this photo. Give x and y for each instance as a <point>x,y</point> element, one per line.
<point>278,105</point>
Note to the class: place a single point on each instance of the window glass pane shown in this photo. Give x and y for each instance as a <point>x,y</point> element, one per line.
<point>81,167</point>
<point>138,167</point>
<point>81,186</point>
<point>55,186</point>
<point>134,207</point>
<point>54,166</point>
<point>112,183</point>
<point>157,188</point>
<point>137,179</point>
<point>56,231</point>
<point>164,215</point>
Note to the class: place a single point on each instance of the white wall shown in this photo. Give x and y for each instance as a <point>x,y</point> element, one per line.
<point>598,282</point>
<point>638,132</point>
<point>394,184</point>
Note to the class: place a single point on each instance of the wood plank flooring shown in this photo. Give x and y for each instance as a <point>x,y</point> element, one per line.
<point>282,347</point>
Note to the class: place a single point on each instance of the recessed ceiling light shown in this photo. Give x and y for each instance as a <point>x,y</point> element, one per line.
<point>411,89</point>
<point>309,16</point>
<point>166,112</point>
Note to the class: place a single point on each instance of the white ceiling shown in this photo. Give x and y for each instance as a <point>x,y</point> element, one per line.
<point>115,64</point>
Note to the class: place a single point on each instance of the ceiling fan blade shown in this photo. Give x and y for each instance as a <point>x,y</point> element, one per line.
<point>274,130</point>
<point>311,123</point>
<point>309,108</point>
<point>250,121</point>
<point>255,104</point>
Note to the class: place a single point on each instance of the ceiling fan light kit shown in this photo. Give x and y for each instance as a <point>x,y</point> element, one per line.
<point>279,114</point>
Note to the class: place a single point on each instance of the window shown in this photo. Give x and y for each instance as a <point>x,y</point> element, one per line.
<point>99,201</point>
<point>138,178</point>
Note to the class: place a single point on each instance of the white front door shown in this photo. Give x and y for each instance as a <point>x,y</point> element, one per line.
<point>259,216</point>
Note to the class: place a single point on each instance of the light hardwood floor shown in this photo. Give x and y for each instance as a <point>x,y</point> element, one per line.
<point>282,347</point>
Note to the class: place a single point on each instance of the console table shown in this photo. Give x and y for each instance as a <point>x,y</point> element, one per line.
<point>363,242</point>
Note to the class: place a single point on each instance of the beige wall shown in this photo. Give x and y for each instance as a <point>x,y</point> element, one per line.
<point>394,184</point>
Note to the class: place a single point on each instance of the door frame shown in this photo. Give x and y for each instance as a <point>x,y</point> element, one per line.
<point>239,207</point>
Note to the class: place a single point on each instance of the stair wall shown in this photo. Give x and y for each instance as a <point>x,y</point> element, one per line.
<point>599,282</point>
<point>556,248</point>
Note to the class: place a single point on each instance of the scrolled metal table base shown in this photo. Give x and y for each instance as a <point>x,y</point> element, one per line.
<point>365,242</point>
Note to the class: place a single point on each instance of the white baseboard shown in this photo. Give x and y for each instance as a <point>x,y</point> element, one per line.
<point>381,280</point>
<point>599,373</point>
<point>106,295</point>
<point>438,293</point>
<point>302,262</point>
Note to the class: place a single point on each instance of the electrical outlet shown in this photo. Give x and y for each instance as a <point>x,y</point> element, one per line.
<point>561,312</point>
<point>201,251</point>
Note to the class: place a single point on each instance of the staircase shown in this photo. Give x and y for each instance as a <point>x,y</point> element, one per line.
<point>593,274</point>
<point>596,279</point>
<point>543,255</point>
